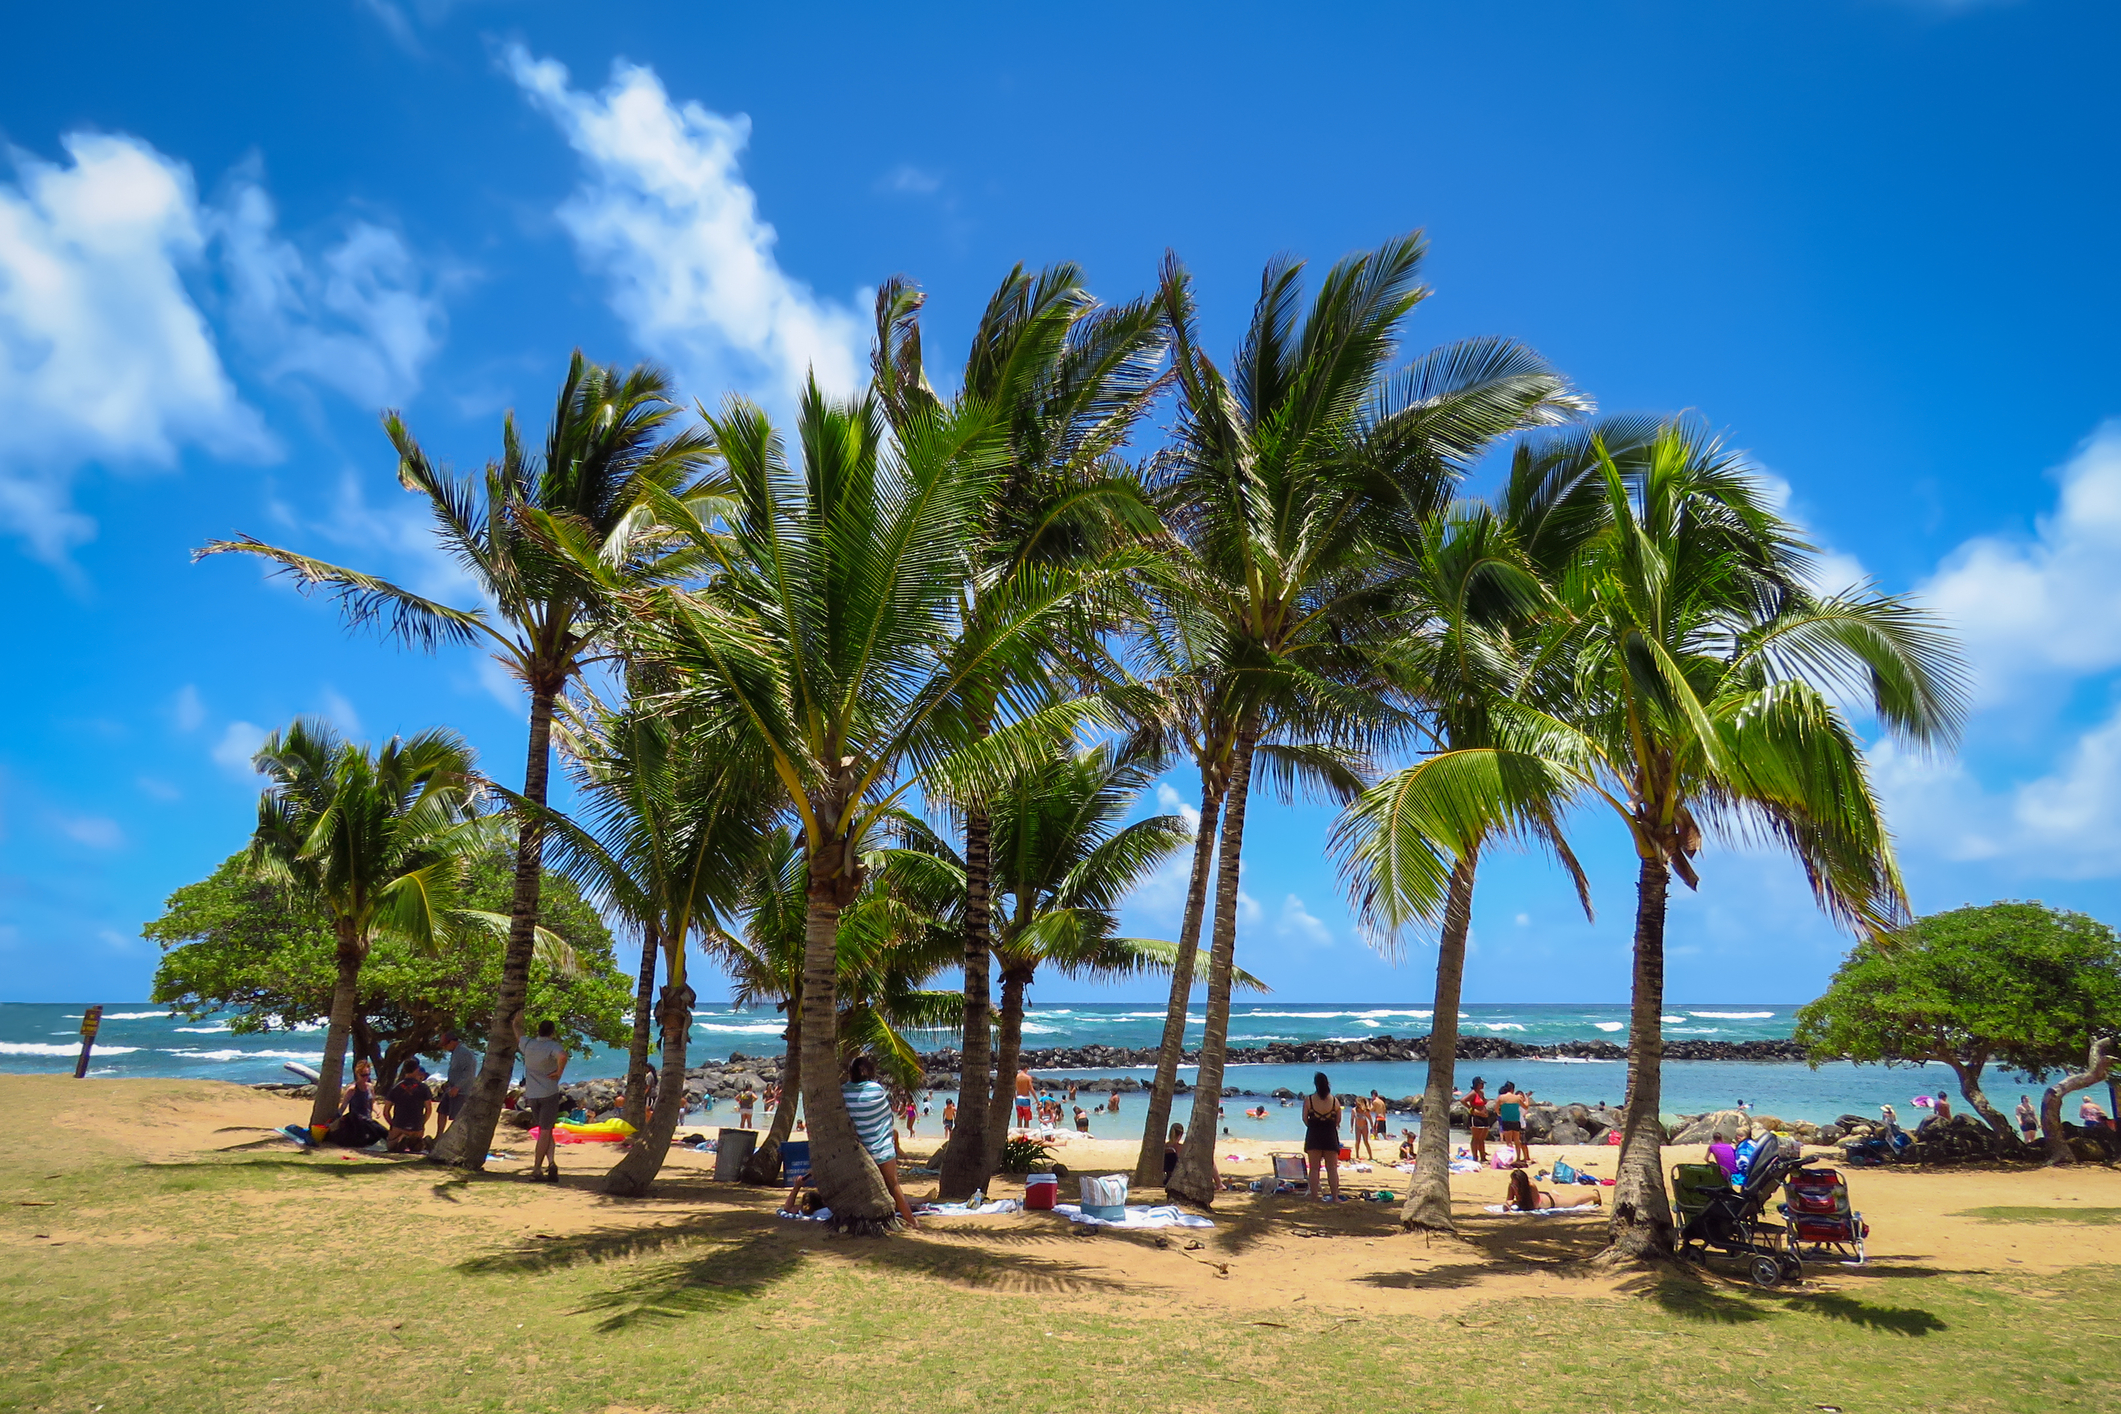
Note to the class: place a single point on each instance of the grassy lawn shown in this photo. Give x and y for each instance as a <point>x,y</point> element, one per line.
<point>267,1280</point>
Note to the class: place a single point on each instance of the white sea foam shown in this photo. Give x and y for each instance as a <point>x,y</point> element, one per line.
<point>235,1055</point>
<point>1500,1025</point>
<point>1609,1025</point>
<point>126,1016</point>
<point>1734,1015</point>
<point>215,1030</point>
<point>1668,1020</point>
<point>39,1048</point>
<point>751,1028</point>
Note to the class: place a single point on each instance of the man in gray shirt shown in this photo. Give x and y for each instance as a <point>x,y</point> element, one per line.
<point>463,1071</point>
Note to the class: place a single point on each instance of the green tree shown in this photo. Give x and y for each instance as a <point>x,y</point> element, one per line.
<point>899,932</point>
<point>671,814</point>
<point>1474,602</point>
<point>1702,675</point>
<point>259,955</point>
<point>381,840</point>
<point>2019,985</point>
<point>1283,481</point>
<point>552,543</point>
<point>1065,381</point>
<point>833,637</point>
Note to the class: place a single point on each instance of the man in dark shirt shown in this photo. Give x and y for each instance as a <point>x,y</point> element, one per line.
<point>409,1102</point>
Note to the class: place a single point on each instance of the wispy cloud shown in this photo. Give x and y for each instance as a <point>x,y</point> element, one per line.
<point>1298,923</point>
<point>90,831</point>
<point>238,744</point>
<point>909,180</point>
<point>665,215</point>
<point>361,317</point>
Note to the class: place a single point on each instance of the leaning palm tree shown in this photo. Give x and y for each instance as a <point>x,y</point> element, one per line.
<point>1473,607</point>
<point>1283,481</point>
<point>1066,381</point>
<point>670,818</point>
<point>832,636</point>
<point>550,542</point>
<point>382,839</point>
<point>1703,677</point>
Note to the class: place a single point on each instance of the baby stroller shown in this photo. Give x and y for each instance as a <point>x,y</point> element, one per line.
<point>1729,1219</point>
<point>1816,1203</point>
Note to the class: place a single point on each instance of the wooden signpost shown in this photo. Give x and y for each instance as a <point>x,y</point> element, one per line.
<point>90,1020</point>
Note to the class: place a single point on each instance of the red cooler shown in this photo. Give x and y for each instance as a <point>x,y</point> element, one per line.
<point>1040,1189</point>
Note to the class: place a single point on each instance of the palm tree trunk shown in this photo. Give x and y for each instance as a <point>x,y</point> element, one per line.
<point>764,1165</point>
<point>331,1071</point>
<point>965,1159</point>
<point>1009,1044</point>
<point>468,1140</point>
<point>1641,1225</point>
<point>1149,1164</point>
<point>1428,1203</point>
<point>847,1179</point>
<point>1194,1178</point>
<point>635,1109</point>
<point>632,1175</point>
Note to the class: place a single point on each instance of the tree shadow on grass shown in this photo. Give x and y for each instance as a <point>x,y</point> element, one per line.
<point>1697,1301</point>
<point>1906,1320</point>
<point>241,1165</point>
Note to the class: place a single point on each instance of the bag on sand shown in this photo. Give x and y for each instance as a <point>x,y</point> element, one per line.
<point>1105,1198</point>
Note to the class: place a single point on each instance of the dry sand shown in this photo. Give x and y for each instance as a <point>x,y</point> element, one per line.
<point>1265,1252</point>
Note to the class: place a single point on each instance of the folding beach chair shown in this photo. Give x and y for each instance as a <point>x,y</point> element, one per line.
<point>1290,1168</point>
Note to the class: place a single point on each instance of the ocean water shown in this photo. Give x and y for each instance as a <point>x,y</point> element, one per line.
<point>138,1039</point>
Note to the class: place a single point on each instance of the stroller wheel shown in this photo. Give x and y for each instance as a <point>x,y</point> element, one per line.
<point>1766,1272</point>
<point>1792,1269</point>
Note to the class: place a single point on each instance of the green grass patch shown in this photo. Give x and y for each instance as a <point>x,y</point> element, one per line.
<point>269,1283</point>
<point>2098,1216</point>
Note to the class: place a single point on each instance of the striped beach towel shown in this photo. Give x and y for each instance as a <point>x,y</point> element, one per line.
<point>870,1109</point>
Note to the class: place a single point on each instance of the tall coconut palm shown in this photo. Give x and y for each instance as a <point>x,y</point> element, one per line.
<point>1472,606</point>
<point>833,636</point>
<point>382,839</point>
<point>1283,480</point>
<point>1703,680</point>
<point>671,815</point>
<point>550,542</point>
<point>1066,380</point>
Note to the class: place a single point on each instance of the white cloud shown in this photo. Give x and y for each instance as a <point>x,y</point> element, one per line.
<point>1175,804</point>
<point>1299,922</point>
<point>238,744</point>
<point>910,180</point>
<point>666,216</point>
<point>360,319</point>
<point>186,711</point>
<point>157,788</point>
<point>1248,909</point>
<point>2063,824</point>
<point>108,358</point>
<point>1524,920</point>
<point>2030,610</point>
<point>94,831</point>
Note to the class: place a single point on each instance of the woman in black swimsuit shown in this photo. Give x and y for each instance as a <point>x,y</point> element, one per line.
<point>1322,1136</point>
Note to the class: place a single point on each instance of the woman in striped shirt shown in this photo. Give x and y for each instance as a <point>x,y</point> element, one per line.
<point>874,1124</point>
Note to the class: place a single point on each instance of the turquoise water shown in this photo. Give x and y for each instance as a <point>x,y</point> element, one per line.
<point>140,1040</point>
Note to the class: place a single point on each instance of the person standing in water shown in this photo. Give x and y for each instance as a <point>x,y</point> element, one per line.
<point>1026,1088</point>
<point>949,1119</point>
<point>1322,1136</point>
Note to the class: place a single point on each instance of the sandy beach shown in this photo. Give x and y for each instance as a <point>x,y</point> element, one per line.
<point>1264,1252</point>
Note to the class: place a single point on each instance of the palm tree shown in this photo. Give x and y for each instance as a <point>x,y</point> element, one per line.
<point>671,817</point>
<point>1283,481</point>
<point>1703,674</point>
<point>896,934</point>
<point>382,840</point>
<point>1471,600</point>
<point>549,542</point>
<point>1066,381</point>
<point>832,637</point>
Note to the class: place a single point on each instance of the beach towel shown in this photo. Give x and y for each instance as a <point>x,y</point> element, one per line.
<point>1163,1215</point>
<point>1546,1212</point>
<point>966,1210</point>
<point>1464,1166</point>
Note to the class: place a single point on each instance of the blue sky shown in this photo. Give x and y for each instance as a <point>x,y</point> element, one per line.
<point>1872,240</point>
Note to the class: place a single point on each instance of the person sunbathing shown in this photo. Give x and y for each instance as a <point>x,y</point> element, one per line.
<point>1526,1198</point>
